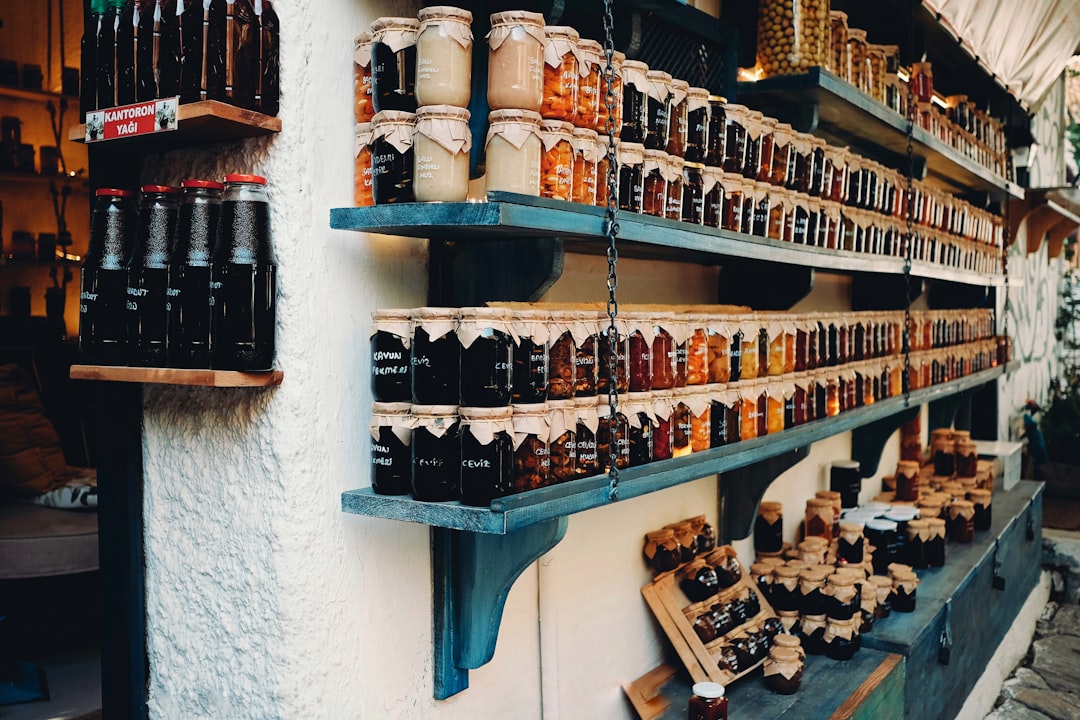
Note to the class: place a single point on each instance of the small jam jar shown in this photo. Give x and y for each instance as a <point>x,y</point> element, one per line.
<point>662,551</point>
<point>918,536</point>
<point>516,61</point>
<point>658,101</point>
<point>391,459</point>
<point>557,160</point>
<point>436,453</point>
<point>586,162</point>
<point>532,456</point>
<point>435,355</point>
<point>812,632</point>
<point>392,136</point>
<point>907,481</point>
<point>513,152</point>
<point>707,702</point>
<point>935,546</point>
<point>961,521</point>
<point>769,527</point>
<point>393,63</point>
<point>842,597</point>
<point>698,581</point>
<point>631,176</point>
<point>486,356</point>
<point>783,670</point>
<point>904,583</point>
<point>391,336</point>
<point>444,57</point>
<point>820,518</point>
<point>980,499</point>
<point>841,638</point>
<point>851,545</point>
<point>486,454</point>
<point>441,149</point>
<point>635,107</point>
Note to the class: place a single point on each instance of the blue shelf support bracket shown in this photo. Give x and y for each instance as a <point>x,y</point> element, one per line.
<point>472,574</point>
<point>868,441</point>
<point>740,491</point>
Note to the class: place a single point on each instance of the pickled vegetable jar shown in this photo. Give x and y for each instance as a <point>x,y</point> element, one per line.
<point>793,36</point>
<point>513,152</point>
<point>560,73</point>
<point>441,154</point>
<point>557,161</point>
<point>516,61</point>
<point>444,57</point>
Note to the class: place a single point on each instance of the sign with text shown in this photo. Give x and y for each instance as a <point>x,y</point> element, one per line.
<point>143,118</point>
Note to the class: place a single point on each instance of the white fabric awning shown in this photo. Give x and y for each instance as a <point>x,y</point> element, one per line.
<point>1025,43</point>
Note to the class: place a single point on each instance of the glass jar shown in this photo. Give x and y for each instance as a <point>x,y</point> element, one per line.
<point>712,210</point>
<point>486,454</point>
<point>393,63</point>
<point>560,73</point>
<point>639,342</point>
<point>603,165</point>
<point>697,352</point>
<point>681,422</point>
<point>784,48</point>
<point>586,159</point>
<point>590,84</point>
<point>678,119</point>
<point>673,176</point>
<point>774,403</point>
<point>715,151</point>
<point>905,584</point>
<point>811,588</point>
<point>766,149</point>
<point>782,135</point>
<point>436,453</point>
<point>662,551</point>
<point>516,61</point>
<point>698,581</point>
<point>918,535</point>
<point>754,124</point>
<point>654,184</point>
<point>635,107</point>
<point>486,357</point>
<point>751,330</point>
<point>622,357</point>
<point>875,72</point>
<point>392,137</point>
<point>631,176</point>
<point>441,149</point>
<point>391,459</point>
<point>756,213</point>
<point>722,410</point>
<point>587,461</point>
<point>663,411</point>
<point>980,500</point>
<point>800,163</point>
<point>961,522</point>
<point>363,193</point>
<point>391,336</point>
<point>604,443</point>
<point>734,190</point>
<point>586,374</point>
<point>838,28</point>
<point>562,443</point>
<point>707,702</point>
<point>935,546</point>
<point>513,152</point>
<point>660,346</point>
<point>922,82</point>
<point>658,102</point>
<point>748,411</point>
<point>697,124</point>
<point>693,200</point>
<point>821,173</point>
<point>842,596</point>
<point>841,638</point>
<point>769,527</point>
<point>882,535</point>
<point>700,404</point>
<point>779,202</point>
<point>942,450</point>
<point>557,161</point>
<point>856,57</point>
<point>784,593</point>
<point>363,108</point>
<point>562,355</point>
<point>532,456</point>
<point>966,458</point>
<point>735,122</point>
<point>907,481</point>
<point>617,60</point>
<point>851,544</point>
<point>531,329</point>
<point>444,57</point>
<point>641,426</point>
<point>436,355</point>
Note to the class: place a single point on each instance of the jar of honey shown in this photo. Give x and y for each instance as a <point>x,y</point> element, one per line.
<point>514,152</point>
<point>516,61</point>
<point>560,73</point>
<point>654,186</point>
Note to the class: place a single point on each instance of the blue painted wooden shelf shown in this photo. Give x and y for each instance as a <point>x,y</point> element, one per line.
<point>581,227</point>
<point>847,116</point>
<point>518,511</point>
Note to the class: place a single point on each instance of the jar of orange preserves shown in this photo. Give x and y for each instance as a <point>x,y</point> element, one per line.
<point>586,157</point>
<point>654,185</point>
<point>697,351</point>
<point>560,73</point>
<point>617,60</point>
<point>362,193</point>
<point>363,108</point>
<point>719,333</point>
<point>557,160</point>
<point>590,83</point>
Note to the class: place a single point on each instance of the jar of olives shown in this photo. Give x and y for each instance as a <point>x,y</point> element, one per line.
<point>786,48</point>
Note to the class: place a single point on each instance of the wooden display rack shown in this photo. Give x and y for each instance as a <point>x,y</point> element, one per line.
<point>669,604</point>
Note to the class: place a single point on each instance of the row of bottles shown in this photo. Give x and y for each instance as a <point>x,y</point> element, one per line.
<point>138,50</point>
<point>186,279</point>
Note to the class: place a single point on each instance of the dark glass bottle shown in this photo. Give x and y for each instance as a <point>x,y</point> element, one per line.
<point>267,94</point>
<point>88,54</point>
<point>191,50</point>
<point>106,56</point>
<point>167,48</point>
<point>124,58</point>
<point>148,276</point>
<point>102,318</point>
<point>244,279</point>
<point>189,306</point>
<point>145,81</point>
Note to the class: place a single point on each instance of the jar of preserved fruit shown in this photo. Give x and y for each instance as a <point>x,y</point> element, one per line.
<point>754,361</point>
<point>391,459</point>
<point>513,152</point>
<point>942,449</point>
<point>774,406</point>
<point>715,150</point>
<point>935,546</point>
<point>436,453</point>
<point>697,352</point>
<point>753,124</point>
<point>681,422</point>
<point>784,595</point>
<point>659,343</point>
<point>486,454</point>
<point>562,443</point>
<point>639,328</point>
<point>635,107</point>
<point>641,425</point>
<point>391,336</point>
<point>662,551</point>
<point>784,48</point>
<point>604,434</point>
<point>800,163</point>
<point>966,458</point>
<point>393,63</point>
<point>851,543</point>
<point>603,165</point>
<point>486,356</point>
<point>841,638</point>
<point>663,410</point>
<point>557,167</point>
<point>856,56</point>
<point>516,61</point>
<point>875,72</point>
<point>820,518</point>
<point>736,118</point>
<point>617,60</point>
<point>363,193</point>
<point>658,102</point>
<point>673,177</point>
<point>769,527</point>
<point>700,404</point>
<point>604,359</point>
<point>922,82</point>
<point>779,202</point>
<point>693,200</point>
<point>654,184</point>
<point>586,160</point>
<point>444,57</point>
<point>564,337</point>
<point>586,374</point>
<point>560,73</point>
<point>591,87</point>
<point>713,197</point>
<point>748,411</point>
<point>631,176</point>
<point>812,586</point>
<point>782,135</point>
<point>435,355</point>
<point>588,421</point>
<point>441,149</point>
<point>698,581</point>
<point>918,535</point>
<point>707,702</point>
<point>531,329</point>
<point>532,456</point>
<point>678,118</point>
<point>981,499</point>
<point>838,28</point>
<point>392,136</point>
<point>961,522</point>
<point>720,334</point>
<point>363,108</point>
<point>905,584</point>
<point>697,124</point>
<point>734,189</point>
<point>766,149</point>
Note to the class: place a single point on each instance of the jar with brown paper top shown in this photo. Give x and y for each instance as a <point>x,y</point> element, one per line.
<point>726,563</point>
<point>513,152</point>
<point>516,61</point>
<point>783,670</point>
<point>560,73</point>
<point>586,163</point>
<point>843,596</point>
<point>841,638</point>
<point>686,538</point>
<point>819,518</point>
<point>981,499</point>
<point>784,590</point>
<point>393,63</point>
<point>363,193</point>
<point>761,574</point>
<point>905,583</point>
<point>678,118</point>
<point>486,356</point>
<point>918,536</point>
<point>639,415</point>
<point>563,440</point>
<point>631,176</point>
<point>557,160</point>
<point>486,454</point>
<point>867,605</point>
<point>966,454</point>
<point>530,330</point>
<point>588,422</point>
<point>441,154</point>
<point>812,632</point>
<point>935,547</point>
<point>604,355</point>
<point>654,183</point>
<point>391,436</point>
<point>436,453</point>
<point>590,84</point>
<point>435,355</point>
<point>363,109</point>
<point>811,590</point>
<point>769,527</point>
<point>391,365</point>
<point>961,522</point>
<point>706,536</point>
<point>813,551</point>
<point>884,589</point>
<point>532,456</point>
<point>565,334</point>
<point>608,438</point>
<point>658,102</point>
<point>851,543</point>
<point>444,57</point>
<point>392,136</point>
<point>662,551</point>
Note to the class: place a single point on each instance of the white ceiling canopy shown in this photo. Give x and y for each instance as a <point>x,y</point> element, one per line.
<point>1025,43</point>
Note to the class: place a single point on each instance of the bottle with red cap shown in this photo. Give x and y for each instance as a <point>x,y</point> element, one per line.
<point>188,303</point>
<point>102,315</point>
<point>244,279</point>
<point>148,275</point>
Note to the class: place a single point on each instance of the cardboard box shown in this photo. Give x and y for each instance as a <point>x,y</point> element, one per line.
<point>1008,457</point>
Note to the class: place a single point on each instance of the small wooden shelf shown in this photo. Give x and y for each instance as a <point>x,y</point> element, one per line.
<point>176,376</point>
<point>198,123</point>
<point>844,115</point>
<point>11,177</point>
<point>18,93</point>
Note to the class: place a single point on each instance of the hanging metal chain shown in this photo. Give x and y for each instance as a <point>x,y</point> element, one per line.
<point>909,237</point>
<point>611,231</point>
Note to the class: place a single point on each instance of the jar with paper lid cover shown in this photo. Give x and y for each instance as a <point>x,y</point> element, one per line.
<point>631,176</point>
<point>617,60</point>
<point>907,481</point>
<point>513,152</point>
<point>681,422</point>
<point>516,61</point>
<point>724,416</point>
<point>393,63</point>
<point>966,458</point>
<point>363,108</point>
<point>843,596</point>
<point>698,581</point>
<point>532,456</point>
<point>444,56</point>
<point>693,193</point>
<point>792,37</point>
<point>700,403</point>
<point>436,453</point>
<point>606,436</point>
<point>587,375</point>
<point>961,522</point>
<point>769,527</point>
<point>604,351</point>
<point>588,421</point>
<point>672,171</point>
<point>392,163</point>
<point>662,348</point>
<point>654,183</point>
<point>634,101</point>
<point>841,638</point>
<point>586,161</point>
<point>557,160</point>
<point>661,550</point>
<point>486,356</point>
<point>735,198</point>
<point>486,454</point>
<point>391,458</point>
<point>981,500</point>
<point>560,73</point>
<point>441,149</point>
<point>391,337</point>
<point>678,118</point>
<point>663,406</point>
<point>712,211</point>
<point>697,124</point>
<point>590,84</point>
<point>715,151</point>
<point>562,443</point>
<point>603,165</point>
<point>783,670</point>
<point>905,584</point>
<point>639,415</point>
<point>530,332</point>
<point>363,192</point>
<point>435,355</point>
<point>565,333</point>
<point>658,102</point>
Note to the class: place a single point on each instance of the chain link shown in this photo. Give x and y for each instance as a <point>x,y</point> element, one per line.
<point>611,231</point>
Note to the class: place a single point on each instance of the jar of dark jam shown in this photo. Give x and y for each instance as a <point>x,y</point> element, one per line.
<point>882,535</point>
<point>622,357</point>
<point>391,376</point>
<point>562,444</point>
<point>812,633</point>
<point>761,574</point>
<point>754,134</point>
<point>790,627</point>
<point>393,63</point>
<point>693,189</point>
<point>662,551</point>
<point>800,163</point>
<point>844,478</point>
<point>966,458</point>
<point>654,184</point>
<point>635,101</point>
<point>727,566</point>
<point>884,595</point>
<point>706,537</point>
<point>705,627</point>
<point>961,522</point>
<point>663,411</point>
<point>907,481</point>
<point>587,459</point>
<point>530,371</point>
<point>664,358</point>
<point>722,413</point>
<point>658,100</point>
<point>712,203</point>
<point>698,581</point>
<point>532,456</point>
<point>486,454</point>
<point>638,410</point>
<point>784,590</point>
<point>812,599</point>
<point>851,543</point>
<point>756,213</point>
<point>980,499</point>
<point>435,355</point>
<point>673,177</point>
<point>639,327</point>
<point>631,176</point>
<point>841,638</point>
<point>697,127</point>
<point>918,535</point>
<point>783,670</point>
<point>604,437</point>
<point>436,453</point>
<point>843,597</point>
<point>486,357</point>
<point>769,527</point>
<point>392,134</point>
<point>735,120</point>
<point>391,459</point>
<point>935,546</point>
<point>735,190</point>
<point>717,132</point>
<point>904,586</point>
<point>148,275</point>
<point>707,702</point>
<point>678,119</point>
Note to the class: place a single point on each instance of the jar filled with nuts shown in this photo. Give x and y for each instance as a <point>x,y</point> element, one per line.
<point>793,36</point>
<point>563,440</point>
<point>532,458</point>
<point>857,48</point>
<point>838,34</point>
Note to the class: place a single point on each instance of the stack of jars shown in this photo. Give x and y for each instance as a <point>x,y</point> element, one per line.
<point>412,83</point>
<point>691,542</point>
